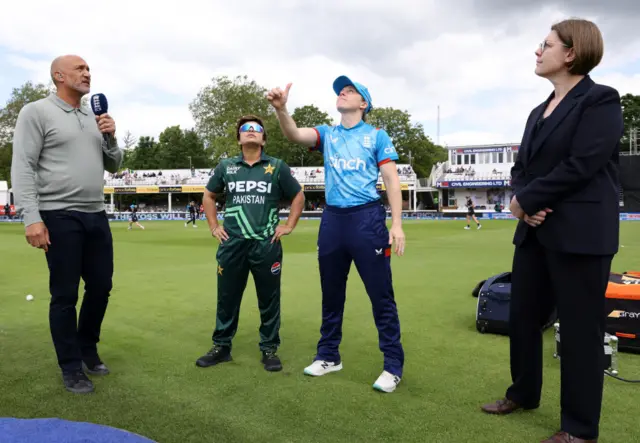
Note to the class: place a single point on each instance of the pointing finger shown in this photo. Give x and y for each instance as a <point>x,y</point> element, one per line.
<point>286,90</point>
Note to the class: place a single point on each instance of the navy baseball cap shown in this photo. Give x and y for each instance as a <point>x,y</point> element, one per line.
<point>341,82</point>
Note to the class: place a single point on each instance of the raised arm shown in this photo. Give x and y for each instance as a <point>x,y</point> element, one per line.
<point>112,155</point>
<point>308,137</point>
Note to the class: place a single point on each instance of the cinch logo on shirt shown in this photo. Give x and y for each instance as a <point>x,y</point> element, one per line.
<point>355,164</point>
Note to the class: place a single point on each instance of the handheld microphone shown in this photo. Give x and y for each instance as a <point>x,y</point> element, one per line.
<point>100,106</point>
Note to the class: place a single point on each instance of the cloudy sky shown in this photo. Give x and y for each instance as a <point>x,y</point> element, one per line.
<point>473,58</point>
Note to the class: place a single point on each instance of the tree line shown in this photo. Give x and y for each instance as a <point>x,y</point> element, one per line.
<point>215,110</point>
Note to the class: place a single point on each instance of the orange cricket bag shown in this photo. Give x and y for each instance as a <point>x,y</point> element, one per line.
<point>623,309</point>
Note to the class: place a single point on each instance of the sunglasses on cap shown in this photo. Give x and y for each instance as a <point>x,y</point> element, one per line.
<point>251,127</point>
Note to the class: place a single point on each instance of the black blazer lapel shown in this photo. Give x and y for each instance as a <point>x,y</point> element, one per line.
<point>525,146</point>
<point>558,114</point>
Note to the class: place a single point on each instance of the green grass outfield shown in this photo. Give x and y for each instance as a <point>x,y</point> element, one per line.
<point>160,320</point>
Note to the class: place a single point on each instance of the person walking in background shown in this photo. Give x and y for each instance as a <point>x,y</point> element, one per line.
<point>133,218</point>
<point>193,214</point>
<point>471,213</point>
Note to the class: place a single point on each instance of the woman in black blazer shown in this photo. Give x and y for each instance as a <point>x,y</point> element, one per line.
<point>565,183</point>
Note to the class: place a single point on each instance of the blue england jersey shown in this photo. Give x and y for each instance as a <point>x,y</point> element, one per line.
<point>352,160</point>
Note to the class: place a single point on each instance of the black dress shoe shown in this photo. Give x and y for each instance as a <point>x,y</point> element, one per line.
<point>271,361</point>
<point>504,406</point>
<point>77,382</point>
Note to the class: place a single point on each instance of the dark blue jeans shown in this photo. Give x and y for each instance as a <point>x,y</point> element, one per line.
<point>81,247</point>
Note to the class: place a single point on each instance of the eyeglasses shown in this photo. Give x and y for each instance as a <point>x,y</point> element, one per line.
<point>545,44</point>
<point>251,127</point>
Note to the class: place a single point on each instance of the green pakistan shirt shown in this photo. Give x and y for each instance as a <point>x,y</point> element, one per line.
<point>253,194</point>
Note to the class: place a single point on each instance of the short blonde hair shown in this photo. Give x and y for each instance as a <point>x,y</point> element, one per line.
<point>585,39</point>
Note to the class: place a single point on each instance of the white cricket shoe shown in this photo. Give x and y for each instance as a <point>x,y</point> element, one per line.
<point>387,382</point>
<point>321,367</point>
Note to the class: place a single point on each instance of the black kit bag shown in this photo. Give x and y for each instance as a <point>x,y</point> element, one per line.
<point>494,298</point>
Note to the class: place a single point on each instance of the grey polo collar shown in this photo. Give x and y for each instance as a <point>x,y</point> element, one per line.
<point>64,105</point>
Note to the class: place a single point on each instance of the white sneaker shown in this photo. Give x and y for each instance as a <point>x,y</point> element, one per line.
<point>479,226</point>
<point>387,382</point>
<point>467,228</point>
<point>321,367</point>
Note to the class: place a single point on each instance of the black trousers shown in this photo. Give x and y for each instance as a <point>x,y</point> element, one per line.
<point>81,247</point>
<point>576,284</point>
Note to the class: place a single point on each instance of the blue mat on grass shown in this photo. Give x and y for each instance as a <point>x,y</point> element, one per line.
<point>54,430</point>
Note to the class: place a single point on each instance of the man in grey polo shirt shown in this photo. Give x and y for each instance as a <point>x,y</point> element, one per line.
<point>59,159</point>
